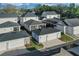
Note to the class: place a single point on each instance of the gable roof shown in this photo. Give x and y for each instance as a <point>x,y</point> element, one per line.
<point>44,31</point>
<point>45,13</point>
<point>51,21</point>
<point>72,22</point>
<point>8,24</point>
<point>32,22</point>
<point>61,23</point>
<point>29,14</point>
<point>7,15</point>
<point>13,35</point>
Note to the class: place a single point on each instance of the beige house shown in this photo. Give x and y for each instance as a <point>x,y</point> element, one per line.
<point>72,26</point>
<point>12,40</point>
<point>8,17</point>
<point>50,14</point>
<point>32,25</point>
<point>46,34</point>
<point>29,16</point>
<point>69,26</point>
<point>9,27</point>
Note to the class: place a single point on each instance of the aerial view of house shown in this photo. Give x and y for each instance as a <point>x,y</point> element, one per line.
<point>73,26</point>
<point>41,30</point>
<point>32,25</point>
<point>13,40</point>
<point>50,14</point>
<point>46,34</point>
<point>9,27</point>
<point>28,16</point>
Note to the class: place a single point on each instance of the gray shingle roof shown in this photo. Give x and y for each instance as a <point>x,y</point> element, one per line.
<point>8,15</point>
<point>44,31</point>
<point>61,23</point>
<point>30,14</point>
<point>72,22</point>
<point>53,20</point>
<point>13,35</point>
<point>8,24</point>
<point>32,22</point>
<point>45,13</point>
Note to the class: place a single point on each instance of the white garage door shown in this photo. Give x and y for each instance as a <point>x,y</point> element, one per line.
<point>52,36</point>
<point>42,38</point>
<point>76,30</point>
<point>3,46</point>
<point>16,43</point>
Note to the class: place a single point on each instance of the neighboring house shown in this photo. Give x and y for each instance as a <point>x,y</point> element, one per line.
<point>46,34</point>
<point>8,17</point>
<point>32,25</point>
<point>50,14</point>
<point>51,22</point>
<point>72,26</point>
<point>9,27</point>
<point>13,40</point>
<point>61,26</point>
<point>28,16</point>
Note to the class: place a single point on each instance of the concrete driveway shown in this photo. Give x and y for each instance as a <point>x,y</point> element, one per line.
<point>53,43</point>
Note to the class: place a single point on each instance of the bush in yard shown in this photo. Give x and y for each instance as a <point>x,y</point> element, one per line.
<point>41,45</point>
<point>28,45</point>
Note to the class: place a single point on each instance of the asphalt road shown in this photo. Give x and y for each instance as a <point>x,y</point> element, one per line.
<point>41,53</point>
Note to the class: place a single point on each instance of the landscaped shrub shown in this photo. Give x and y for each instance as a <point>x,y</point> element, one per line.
<point>41,45</point>
<point>28,45</point>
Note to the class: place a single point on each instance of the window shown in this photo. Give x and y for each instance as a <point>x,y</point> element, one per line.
<point>33,27</point>
<point>42,26</point>
<point>16,28</point>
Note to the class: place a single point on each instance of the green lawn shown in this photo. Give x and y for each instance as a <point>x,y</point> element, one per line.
<point>34,45</point>
<point>65,38</point>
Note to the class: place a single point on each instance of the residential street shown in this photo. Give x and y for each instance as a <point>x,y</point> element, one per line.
<point>43,52</point>
<point>24,52</point>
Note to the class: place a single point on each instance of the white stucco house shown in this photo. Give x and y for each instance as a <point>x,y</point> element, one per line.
<point>50,14</point>
<point>9,27</point>
<point>32,25</point>
<point>72,26</point>
<point>27,16</point>
<point>13,40</point>
<point>8,17</point>
<point>46,34</point>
